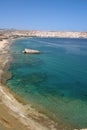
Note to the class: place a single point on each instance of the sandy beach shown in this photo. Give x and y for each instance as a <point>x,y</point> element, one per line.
<point>15,114</point>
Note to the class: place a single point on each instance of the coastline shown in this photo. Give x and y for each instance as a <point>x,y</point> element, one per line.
<point>22,113</point>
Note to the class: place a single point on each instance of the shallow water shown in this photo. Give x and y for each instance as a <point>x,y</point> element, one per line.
<point>55,80</point>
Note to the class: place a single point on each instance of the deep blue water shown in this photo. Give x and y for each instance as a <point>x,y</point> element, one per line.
<point>55,80</point>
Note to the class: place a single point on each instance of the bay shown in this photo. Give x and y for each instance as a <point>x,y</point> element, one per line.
<point>54,81</point>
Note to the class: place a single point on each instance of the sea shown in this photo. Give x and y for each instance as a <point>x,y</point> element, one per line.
<point>54,81</point>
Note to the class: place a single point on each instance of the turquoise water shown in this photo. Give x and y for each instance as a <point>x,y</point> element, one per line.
<point>55,80</point>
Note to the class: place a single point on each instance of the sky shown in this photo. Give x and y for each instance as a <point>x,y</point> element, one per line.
<point>51,15</point>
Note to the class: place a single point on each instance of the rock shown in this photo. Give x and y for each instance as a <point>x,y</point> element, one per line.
<point>30,51</point>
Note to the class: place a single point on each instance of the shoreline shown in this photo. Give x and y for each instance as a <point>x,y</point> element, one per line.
<point>17,109</point>
<point>23,112</point>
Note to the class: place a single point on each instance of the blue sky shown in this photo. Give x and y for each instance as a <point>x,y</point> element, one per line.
<point>56,15</point>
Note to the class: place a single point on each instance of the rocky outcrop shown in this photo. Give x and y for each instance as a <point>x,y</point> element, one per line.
<point>30,51</point>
